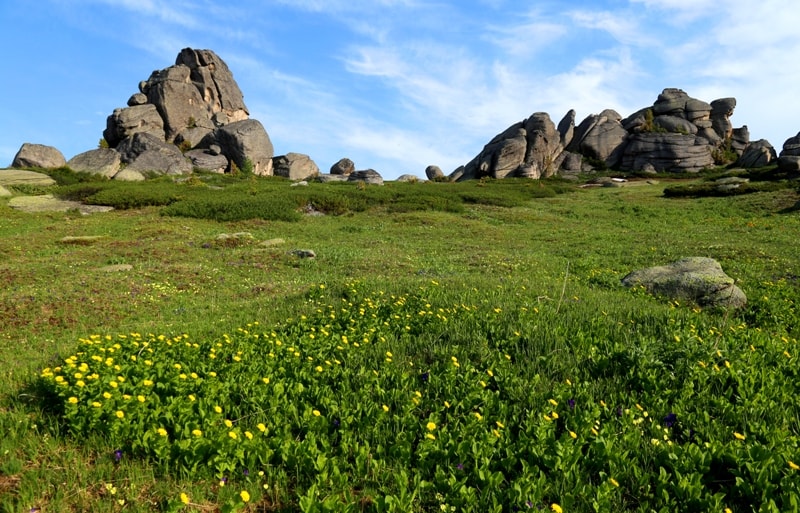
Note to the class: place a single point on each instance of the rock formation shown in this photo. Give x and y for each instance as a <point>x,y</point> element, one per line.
<point>677,133</point>
<point>295,166</point>
<point>191,114</point>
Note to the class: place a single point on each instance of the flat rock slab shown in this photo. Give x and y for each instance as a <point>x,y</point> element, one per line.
<point>118,268</point>
<point>81,240</point>
<point>22,177</point>
<point>697,279</point>
<point>49,203</point>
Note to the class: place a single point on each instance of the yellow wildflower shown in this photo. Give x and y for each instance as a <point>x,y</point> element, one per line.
<point>245,496</point>
<point>793,465</point>
<point>162,431</point>
<point>120,414</point>
<point>73,400</point>
<point>739,436</point>
<point>184,498</point>
<point>261,427</point>
<point>431,426</point>
<point>197,433</point>
<point>316,413</point>
<point>555,507</point>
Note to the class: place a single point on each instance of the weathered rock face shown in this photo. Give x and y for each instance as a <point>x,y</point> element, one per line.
<point>295,166</point>
<point>245,140</point>
<point>697,279</point>
<point>198,91</point>
<point>757,154</point>
<point>38,155</point>
<point>667,152</point>
<point>102,161</point>
<point>207,161</point>
<point>601,137</point>
<point>165,160</point>
<point>368,176</point>
<point>132,120</point>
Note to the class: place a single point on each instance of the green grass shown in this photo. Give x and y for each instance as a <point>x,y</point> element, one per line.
<point>517,270</point>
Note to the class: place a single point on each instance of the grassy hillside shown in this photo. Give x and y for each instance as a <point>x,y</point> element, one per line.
<point>461,347</point>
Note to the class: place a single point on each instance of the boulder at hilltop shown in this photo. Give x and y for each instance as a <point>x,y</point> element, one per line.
<point>295,166</point>
<point>101,161</point>
<point>244,141</point>
<point>696,279</point>
<point>38,155</point>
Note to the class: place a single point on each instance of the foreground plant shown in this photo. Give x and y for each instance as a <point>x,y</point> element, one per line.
<point>361,405</point>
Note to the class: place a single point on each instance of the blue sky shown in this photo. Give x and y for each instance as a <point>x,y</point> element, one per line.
<point>396,85</point>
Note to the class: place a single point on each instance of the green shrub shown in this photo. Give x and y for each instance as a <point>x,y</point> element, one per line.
<point>227,207</point>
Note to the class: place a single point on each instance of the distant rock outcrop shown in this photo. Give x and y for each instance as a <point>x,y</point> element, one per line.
<point>193,107</point>
<point>677,133</point>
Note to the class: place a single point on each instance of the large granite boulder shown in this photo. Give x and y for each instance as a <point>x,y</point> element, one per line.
<point>207,160</point>
<point>21,177</point>
<point>167,160</point>
<point>696,279</point>
<point>544,144</point>
<point>128,121</point>
<point>434,173</point>
<point>133,146</point>
<point>368,176</point>
<point>566,127</point>
<point>601,137</point>
<point>668,152</point>
<point>757,154</point>
<point>721,111</point>
<point>294,166</point>
<point>343,167</point>
<point>102,161</point>
<point>244,141</point>
<point>791,146</point>
<point>38,155</point>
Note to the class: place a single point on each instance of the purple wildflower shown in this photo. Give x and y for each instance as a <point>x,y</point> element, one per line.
<point>571,403</point>
<point>670,419</point>
<point>425,376</point>
<point>460,466</point>
<point>117,455</point>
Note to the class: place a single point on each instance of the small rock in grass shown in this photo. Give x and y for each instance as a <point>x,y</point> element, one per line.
<point>304,253</point>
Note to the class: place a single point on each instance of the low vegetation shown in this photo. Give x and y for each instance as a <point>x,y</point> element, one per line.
<point>453,347</point>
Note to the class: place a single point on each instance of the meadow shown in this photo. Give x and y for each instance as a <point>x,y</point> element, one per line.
<point>452,347</point>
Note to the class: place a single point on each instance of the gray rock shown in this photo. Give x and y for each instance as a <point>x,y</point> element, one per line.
<point>131,147</point>
<point>304,253</point>
<point>572,161</point>
<point>368,176</point>
<point>167,160</point>
<point>38,155</point>
<point>191,136</point>
<point>667,152</point>
<point>530,171</point>
<point>721,111</point>
<point>301,183</point>
<point>408,178</point>
<point>137,99</point>
<point>457,174</point>
<point>126,122</point>
<point>789,163</point>
<point>544,144</point>
<point>671,101</point>
<point>21,177</point>
<point>198,91</point>
<point>344,167</point>
<point>698,111</point>
<point>434,173</point>
<point>696,279</point>
<point>601,137</point>
<point>129,175</point>
<point>740,138</point>
<point>757,154</point>
<point>246,140</point>
<point>294,166</point>
<point>207,161</point>
<point>102,161</point>
<point>331,178</point>
<point>791,146</point>
<point>566,128</point>
<point>214,149</point>
<point>675,124</point>
<point>508,155</point>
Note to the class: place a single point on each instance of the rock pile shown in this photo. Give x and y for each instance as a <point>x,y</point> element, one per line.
<point>189,115</point>
<point>677,133</point>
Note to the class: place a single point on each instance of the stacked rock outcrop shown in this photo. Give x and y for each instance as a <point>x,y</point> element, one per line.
<point>677,133</point>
